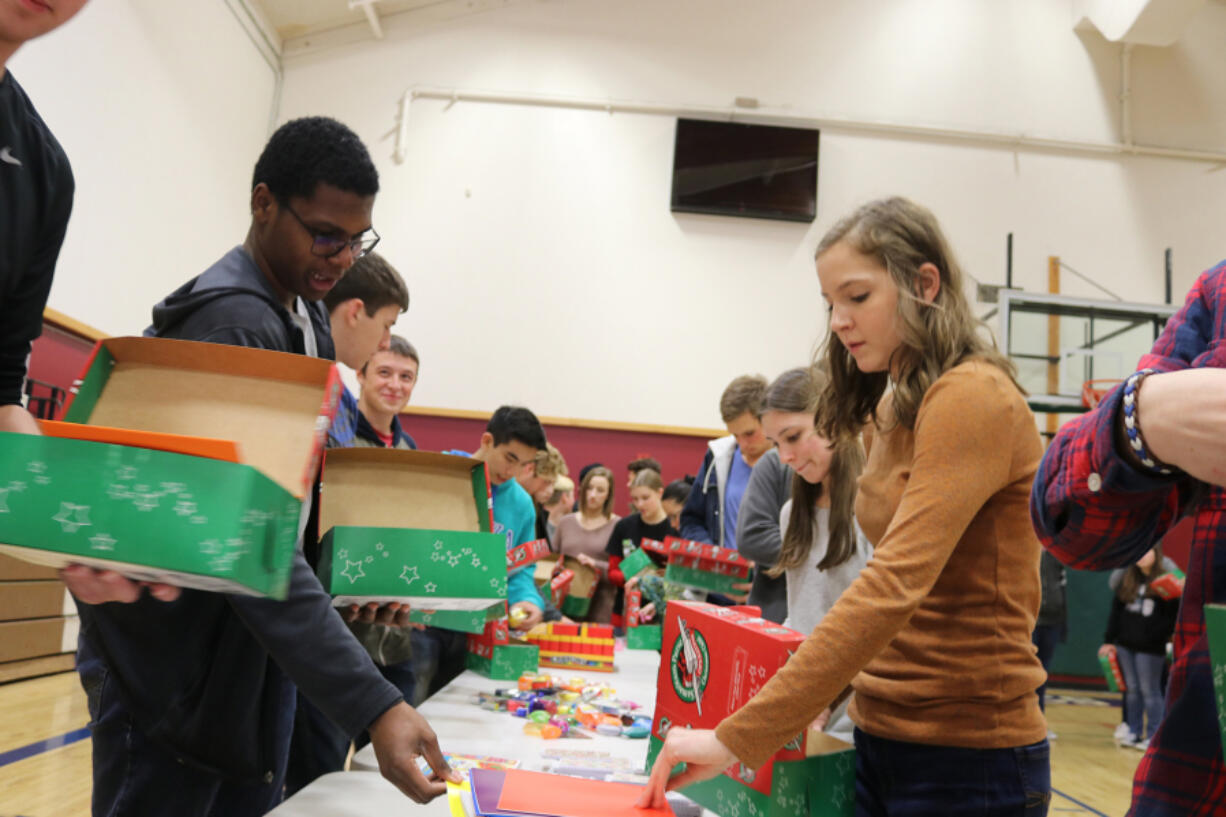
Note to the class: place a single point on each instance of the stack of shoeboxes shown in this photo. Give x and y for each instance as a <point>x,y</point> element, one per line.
<point>179,462</point>
<point>38,621</point>
<point>1215,624</point>
<point>495,655</point>
<point>574,646</point>
<point>814,774</point>
<point>641,636</point>
<point>704,566</point>
<point>412,527</point>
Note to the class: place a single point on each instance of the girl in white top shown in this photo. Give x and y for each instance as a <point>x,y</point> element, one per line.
<point>823,550</point>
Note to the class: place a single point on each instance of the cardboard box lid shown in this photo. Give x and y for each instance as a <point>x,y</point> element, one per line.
<point>391,488</point>
<point>275,405</point>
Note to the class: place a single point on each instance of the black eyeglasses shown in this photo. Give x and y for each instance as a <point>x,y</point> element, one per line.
<point>326,246</point>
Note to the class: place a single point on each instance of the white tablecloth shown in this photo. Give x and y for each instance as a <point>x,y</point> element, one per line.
<point>465,728</point>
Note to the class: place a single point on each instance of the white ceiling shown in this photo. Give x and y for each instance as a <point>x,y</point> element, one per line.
<point>298,18</point>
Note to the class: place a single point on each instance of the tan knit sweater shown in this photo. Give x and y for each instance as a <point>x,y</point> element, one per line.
<point>934,634</point>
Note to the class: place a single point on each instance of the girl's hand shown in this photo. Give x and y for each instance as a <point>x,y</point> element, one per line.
<point>705,757</point>
<point>631,583</point>
<point>1106,650</point>
<point>647,612</point>
<point>819,723</point>
<point>588,561</point>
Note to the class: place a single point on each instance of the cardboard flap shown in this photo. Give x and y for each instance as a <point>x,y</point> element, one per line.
<point>390,488</point>
<point>274,405</point>
<point>818,742</point>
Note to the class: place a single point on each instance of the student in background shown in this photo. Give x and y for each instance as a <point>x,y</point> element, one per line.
<point>649,521</point>
<point>559,504</point>
<point>584,534</point>
<point>710,513</point>
<point>673,501</point>
<point>538,481</point>
<point>945,707</point>
<point>362,307</point>
<point>509,446</point>
<point>318,745</point>
<point>758,533</point>
<point>36,191</point>
<point>387,381</point>
<point>641,464</point>
<point>192,701</point>
<point>822,550</point>
<point>1139,627</point>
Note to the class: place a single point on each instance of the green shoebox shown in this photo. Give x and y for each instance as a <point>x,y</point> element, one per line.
<point>645,637</point>
<point>821,785</point>
<point>636,561</point>
<point>115,489</point>
<point>1215,624</point>
<point>507,662</point>
<point>703,579</point>
<point>411,527</point>
<point>466,621</point>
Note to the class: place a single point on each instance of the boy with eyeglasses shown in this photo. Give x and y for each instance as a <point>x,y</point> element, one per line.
<point>192,700</point>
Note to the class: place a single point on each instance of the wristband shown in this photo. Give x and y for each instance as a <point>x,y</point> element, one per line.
<point>1132,424</point>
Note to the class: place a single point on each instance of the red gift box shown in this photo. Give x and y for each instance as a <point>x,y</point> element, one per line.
<point>527,553</point>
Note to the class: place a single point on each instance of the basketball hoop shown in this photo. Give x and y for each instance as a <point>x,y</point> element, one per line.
<point>1093,391</point>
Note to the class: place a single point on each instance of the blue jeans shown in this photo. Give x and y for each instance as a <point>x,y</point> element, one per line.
<point>897,779</point>
<point>135,777</point>
<point>1143,696</point>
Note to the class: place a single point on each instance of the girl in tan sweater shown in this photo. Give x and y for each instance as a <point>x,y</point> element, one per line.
<point>934,633</point>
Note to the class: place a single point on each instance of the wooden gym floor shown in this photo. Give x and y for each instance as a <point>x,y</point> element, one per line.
<point>45,751</point>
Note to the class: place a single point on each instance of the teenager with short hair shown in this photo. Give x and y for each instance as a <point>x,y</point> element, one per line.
<point>674,497</point>
<point>641,464</point>
<point>710,513</point>
<point>509,446</point>
<point>934,633</point>
<point>387,381</point>
<point>192,701</point>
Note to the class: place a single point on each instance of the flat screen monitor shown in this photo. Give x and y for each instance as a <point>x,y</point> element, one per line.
<point>734,169</point>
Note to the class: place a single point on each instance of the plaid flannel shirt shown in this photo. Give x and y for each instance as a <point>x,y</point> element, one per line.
<point>1094,510</point>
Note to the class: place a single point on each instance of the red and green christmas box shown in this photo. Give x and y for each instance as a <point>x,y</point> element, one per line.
<point>412,527</point>
<point>178,462</point>
<point>1215,625</point>
<point>640,636</point>
<point>705,566</point>
<point>814,774</point>
<point>494,654</point>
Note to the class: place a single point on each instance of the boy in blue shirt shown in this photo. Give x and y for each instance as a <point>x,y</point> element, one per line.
<point>509,445</point>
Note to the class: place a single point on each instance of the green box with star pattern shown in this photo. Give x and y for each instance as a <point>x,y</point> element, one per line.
<point>180,462</point>
<point>412,527</point>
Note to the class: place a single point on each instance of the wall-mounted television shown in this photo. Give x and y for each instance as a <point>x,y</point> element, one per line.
<point>735,169</point>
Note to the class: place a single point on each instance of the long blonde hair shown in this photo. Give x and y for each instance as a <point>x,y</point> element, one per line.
<point>935,337</point>
<point>796,391</point>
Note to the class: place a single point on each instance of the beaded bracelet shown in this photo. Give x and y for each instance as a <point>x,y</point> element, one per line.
<point>1132,425</point>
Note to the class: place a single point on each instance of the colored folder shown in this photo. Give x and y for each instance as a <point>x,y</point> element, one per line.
<point>519,793</point>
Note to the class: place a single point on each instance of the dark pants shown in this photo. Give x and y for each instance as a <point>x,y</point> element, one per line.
<point>319,746</point>
<point>897,779</point>
<point>438,657</point>
<point>1045,638</point>
<point>134,776</point>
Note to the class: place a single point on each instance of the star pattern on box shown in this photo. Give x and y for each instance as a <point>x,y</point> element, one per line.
<point>409,574</point>
<point>350,573</point>
<point>173,487</point>
<point>17,486</point>
<point>37,467</point>
<point>431,587</point>
<point>466,551</point>
<point>118,492</point>
<point>343,553</point>
<point>101,541</point>
<point>72,517</point>
<point>126,472</point>
<point>476,561</point>
<point>210,547</point>
<point>145,502</point>
<point>185,508</point>
<point>438,544</point>
<point>437,557</point>
<point>4,493</point>
<point>378,546</point>
<point>453,559</point>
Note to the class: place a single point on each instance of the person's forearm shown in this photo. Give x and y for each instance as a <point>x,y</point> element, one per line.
<point>15,418</point>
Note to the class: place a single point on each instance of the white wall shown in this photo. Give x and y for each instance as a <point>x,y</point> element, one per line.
<point>162,109</point>
<point>545,266</point>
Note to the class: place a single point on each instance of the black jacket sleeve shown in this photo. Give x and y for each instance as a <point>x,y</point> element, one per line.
<point>312,645</point>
